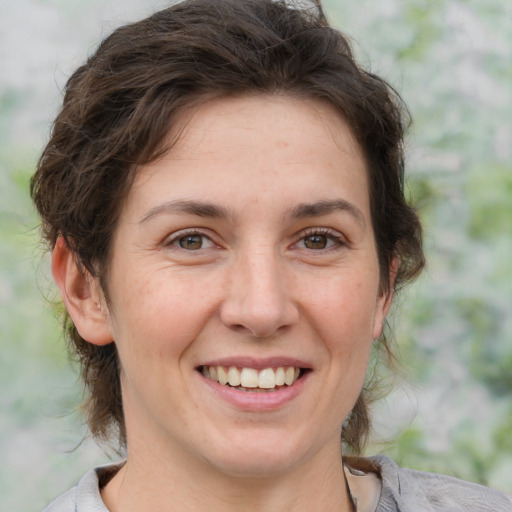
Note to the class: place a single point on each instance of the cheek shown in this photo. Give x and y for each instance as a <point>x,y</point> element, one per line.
<point>345,308</point>
<point>344,318</point>
<point>160,313</point>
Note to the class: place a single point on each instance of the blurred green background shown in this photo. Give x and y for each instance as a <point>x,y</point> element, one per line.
<point>451,411</point>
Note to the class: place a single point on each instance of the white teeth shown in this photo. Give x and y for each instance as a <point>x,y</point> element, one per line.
<point>250,378</point>
<point>289,375</point>
<point>267,379</point>
<point>213,373</point>
<point>222,375</point>
<point>280,376</point>
<point>233,376</point>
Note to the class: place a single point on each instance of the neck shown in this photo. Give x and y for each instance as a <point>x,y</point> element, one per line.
<point>177,483</point>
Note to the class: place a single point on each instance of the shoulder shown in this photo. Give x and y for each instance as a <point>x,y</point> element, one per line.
<point>64,503</point>
<point>407,490</point>
<point>85,496</point>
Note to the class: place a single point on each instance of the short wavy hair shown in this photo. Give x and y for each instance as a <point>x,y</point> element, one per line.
<point>119,106</point>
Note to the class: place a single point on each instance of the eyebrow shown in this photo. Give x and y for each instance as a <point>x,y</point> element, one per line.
<point>300,211</point>
<point>325,207</point>
<point>199,208</point>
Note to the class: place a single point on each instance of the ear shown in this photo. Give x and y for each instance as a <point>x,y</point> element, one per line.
<point>82,296</point>
<point>385,300</point>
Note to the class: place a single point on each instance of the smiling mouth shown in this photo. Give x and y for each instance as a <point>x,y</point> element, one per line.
<point>252,380</point>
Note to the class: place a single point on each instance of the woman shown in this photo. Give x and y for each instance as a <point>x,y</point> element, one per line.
<point>222,193</point>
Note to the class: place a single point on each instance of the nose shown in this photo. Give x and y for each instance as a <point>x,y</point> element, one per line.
<point>258,297</point>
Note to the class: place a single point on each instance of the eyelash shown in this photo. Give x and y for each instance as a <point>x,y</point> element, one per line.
<point>176,237</point>
<point>330,235</point>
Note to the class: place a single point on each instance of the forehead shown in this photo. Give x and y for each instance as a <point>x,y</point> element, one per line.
<point>270,118</point>
<point>248,147</point>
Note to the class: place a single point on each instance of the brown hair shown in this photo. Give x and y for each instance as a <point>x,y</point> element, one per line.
<point>119,106</point>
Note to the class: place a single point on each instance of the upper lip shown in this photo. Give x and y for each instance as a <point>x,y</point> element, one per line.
<point>258,363</point>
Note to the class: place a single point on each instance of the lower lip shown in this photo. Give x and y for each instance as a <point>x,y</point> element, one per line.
<point>254,401</point>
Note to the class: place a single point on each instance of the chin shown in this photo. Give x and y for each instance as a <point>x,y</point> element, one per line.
<point>250,457</point>
<point>259,468</point>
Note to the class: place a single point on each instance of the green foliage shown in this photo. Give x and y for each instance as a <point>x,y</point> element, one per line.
<point>420,17</point>
<point>489,190</point>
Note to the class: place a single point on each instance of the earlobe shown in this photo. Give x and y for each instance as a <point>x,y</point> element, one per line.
<point>82,296</point>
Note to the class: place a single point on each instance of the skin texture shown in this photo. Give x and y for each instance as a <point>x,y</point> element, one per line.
<point>268,274</point>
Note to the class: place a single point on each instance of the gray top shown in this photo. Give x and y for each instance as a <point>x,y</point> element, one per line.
<point>403,490</point>
<point>406,490</point>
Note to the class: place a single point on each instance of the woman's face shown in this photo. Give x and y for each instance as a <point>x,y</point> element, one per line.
<point>246,253</point>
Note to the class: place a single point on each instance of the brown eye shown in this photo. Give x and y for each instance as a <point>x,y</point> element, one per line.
<point>316,241</point>
<point>191,242</point>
